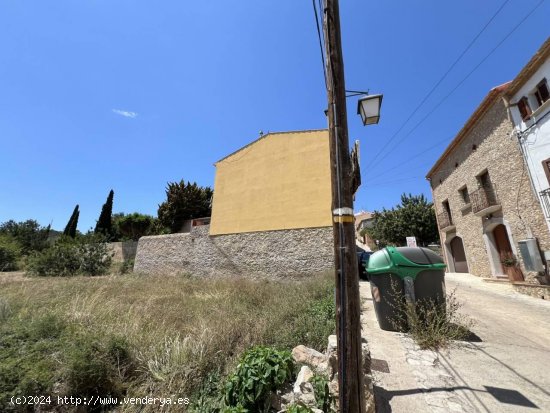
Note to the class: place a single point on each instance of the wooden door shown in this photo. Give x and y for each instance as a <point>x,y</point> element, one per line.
<point>504,249</point>
<point>459,255</point>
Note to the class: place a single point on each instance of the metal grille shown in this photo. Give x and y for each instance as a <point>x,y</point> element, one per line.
<point>545,201</point>
<point>483,198</point>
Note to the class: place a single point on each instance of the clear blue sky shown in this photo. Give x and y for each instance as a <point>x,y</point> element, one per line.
<point>130,94</point>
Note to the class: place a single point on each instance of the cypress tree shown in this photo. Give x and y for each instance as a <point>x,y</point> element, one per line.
<point>70,229</point>
<point>104,223</point>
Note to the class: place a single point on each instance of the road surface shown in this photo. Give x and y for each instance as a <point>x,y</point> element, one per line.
<point>505,370</point>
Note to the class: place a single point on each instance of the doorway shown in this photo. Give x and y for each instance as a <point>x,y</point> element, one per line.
<point>505,254</point>
<point>459,255</point>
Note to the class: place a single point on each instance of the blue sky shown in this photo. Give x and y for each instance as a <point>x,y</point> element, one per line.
<point>131,94</point>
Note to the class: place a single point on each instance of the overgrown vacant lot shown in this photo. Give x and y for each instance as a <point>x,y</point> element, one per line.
<point>147,336</point>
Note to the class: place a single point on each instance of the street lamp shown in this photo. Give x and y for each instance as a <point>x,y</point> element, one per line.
<point>369,109</point>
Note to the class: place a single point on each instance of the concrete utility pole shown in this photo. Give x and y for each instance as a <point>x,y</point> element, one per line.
<point>348,323</point>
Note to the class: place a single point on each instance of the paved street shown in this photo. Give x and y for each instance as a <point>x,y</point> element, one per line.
<point>506,371</point>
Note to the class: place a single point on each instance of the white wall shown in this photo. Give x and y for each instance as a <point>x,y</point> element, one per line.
<point>536,130</point>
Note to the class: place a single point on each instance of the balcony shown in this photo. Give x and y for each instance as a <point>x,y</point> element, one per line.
<point>545,201</point>
<point>445,221</point>
<point>485,201</point>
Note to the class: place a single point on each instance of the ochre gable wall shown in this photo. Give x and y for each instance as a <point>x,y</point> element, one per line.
<point>281,181</point>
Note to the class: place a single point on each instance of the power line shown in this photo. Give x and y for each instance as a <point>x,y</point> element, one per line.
<point>434,146</point>
<point>463,80</point>
<point>441,80</point>
<point>320,39</point>
<point>395,181</point>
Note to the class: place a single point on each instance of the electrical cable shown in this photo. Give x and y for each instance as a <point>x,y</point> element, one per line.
<point>434,146</point>
<point>441,79</point>
<point>320,41</point>
<point>464,79</point>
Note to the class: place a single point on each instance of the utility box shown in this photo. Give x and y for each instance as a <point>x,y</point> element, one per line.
<point>530,253</point>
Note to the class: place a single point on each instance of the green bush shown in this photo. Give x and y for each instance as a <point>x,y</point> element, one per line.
<point>67,257</point>
<point>323,398</point>
<point>132,226</point>
<point>29,234</point>
<point>95,258</point>
<point>260,371</point>
<point>10,252</point>
<point>298,408</point>
<point>61,259</point>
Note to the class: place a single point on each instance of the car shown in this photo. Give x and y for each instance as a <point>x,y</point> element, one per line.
<point>362,262</point>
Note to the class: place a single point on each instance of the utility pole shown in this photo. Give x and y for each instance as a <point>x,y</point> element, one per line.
<point>348,323</point>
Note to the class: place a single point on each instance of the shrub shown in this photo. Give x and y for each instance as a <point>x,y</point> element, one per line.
<point>260,371</point>
<point>298,408</point>
<point>95,258</point>
<point>67,257</point>
<point>61,259</point>
<point>323,398</point>
<point>29,234</point>
<point>132,226</point>
<point>431,324</point>
<point>10,252</point>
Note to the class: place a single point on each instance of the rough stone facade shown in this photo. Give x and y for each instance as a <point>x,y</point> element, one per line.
<point>487,143</point>
<point>285,253</point>
<point>123,251</point>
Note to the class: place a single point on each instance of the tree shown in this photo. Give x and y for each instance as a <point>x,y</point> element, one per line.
<point>415,216</point>
<point>70,229</point>
<point>104,223</point>
<point>28,234</point>
<point>183,202</point>
<point>132,226</point>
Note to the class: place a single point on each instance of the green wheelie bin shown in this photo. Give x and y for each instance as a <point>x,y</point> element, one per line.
<point>404,274</point>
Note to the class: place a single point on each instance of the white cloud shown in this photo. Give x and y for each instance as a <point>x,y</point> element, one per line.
<point>125,113</point>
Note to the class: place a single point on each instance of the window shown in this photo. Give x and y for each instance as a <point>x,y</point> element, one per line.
<point>541,93</point>
<point>546,167</point>
<point>524,108</point>
<point>464,195</point>
<point>483,180</point>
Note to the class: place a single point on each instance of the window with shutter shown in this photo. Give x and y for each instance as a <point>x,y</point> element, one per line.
<point>524,108</point>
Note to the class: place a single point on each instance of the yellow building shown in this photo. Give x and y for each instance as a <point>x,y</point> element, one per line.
<point>280,181</point>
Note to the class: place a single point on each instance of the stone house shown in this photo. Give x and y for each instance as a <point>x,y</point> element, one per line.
<point>271,214</point>
<point>528,100</point>
<point>487,214</point>
<point>363,219</point>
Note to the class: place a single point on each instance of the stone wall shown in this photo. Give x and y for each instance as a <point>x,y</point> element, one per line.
<point>123,251</point>
<point>490,145</point>
<point>265,254</point>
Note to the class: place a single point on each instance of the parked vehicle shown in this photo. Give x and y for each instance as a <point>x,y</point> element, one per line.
<point>362,262</point>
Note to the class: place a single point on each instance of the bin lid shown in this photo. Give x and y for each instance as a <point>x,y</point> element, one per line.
<point>379,260</point>
<point>404,261</point>
<point>419,255</point>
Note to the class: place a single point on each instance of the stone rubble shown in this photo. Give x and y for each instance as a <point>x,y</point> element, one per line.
<point>313,363</point>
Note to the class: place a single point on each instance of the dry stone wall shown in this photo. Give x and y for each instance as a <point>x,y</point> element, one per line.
<point>285,253</point>
<point>123,251</point>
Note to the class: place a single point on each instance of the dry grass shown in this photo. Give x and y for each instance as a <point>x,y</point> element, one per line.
<point>180,329</point>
